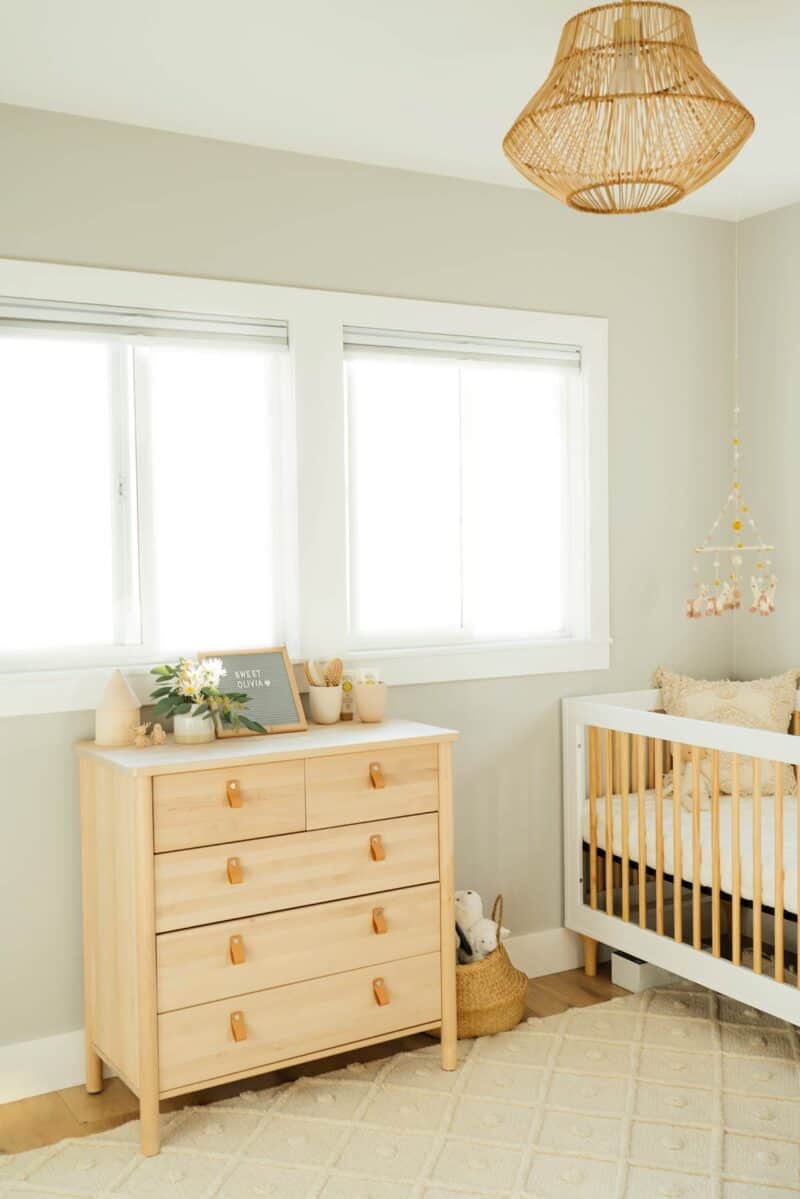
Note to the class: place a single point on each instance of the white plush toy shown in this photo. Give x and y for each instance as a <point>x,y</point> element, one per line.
<point>469,908</point>
<point>482,938</point>
<point>478,930</point>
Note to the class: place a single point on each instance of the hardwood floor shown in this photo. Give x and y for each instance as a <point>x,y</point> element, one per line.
<point>44,1119</point>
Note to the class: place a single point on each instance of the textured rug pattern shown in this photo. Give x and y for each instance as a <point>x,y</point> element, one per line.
<point>673,1094</point>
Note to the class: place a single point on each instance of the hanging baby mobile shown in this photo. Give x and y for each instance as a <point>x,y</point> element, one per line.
<point>736,548</point>
<point>733,543</point>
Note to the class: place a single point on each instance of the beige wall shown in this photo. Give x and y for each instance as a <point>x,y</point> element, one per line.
<point>88,192</point>
<point>769,308</point>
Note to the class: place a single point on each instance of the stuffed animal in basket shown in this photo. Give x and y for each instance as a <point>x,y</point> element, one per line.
<point>477,934</point>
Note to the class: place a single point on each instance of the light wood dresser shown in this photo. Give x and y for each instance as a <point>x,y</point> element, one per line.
<point>255,903</point>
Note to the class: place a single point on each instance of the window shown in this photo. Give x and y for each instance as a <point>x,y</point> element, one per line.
<point>193,464</point>
<point>214,511</point>
<point>141,487</point>
<point>464,465</point>
<point>58,463</point>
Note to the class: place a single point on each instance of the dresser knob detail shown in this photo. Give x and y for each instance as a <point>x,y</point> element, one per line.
<point>238,1026</point>
<point>376,848</point>
<point>381,992</point>
<point>379,923</point>
<point>234,793</point>
<point>235,871</point>
<point>376,775</point>
<point>236,950</point>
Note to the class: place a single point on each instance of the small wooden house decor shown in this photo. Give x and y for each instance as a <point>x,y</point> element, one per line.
<point>117,714</point>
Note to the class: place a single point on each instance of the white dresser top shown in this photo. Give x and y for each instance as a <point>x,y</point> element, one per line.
<point>318,740</point>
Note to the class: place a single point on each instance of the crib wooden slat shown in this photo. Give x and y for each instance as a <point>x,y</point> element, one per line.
<point>757,923</point>
<point>677,844</point>
<point>609,822</point>
<point>623,744</point>
<point>640,780</point>
<point>716,934</point>
<point>736,854</point>
<point>697,898</point>
<point>658,783</point>
<point>651,763</point>
<point>594,787</point>
<point>779,875</point>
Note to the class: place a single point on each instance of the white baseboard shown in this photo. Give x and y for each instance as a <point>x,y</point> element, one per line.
<point>36,1067</point>
<point>53,1063</point>
<point>546,952</point>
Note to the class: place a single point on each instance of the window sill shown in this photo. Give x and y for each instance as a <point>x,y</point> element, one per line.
<point>459,663</point>
<point>42,692</point>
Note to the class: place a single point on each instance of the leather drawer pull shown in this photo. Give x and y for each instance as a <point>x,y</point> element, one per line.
<point>238,1026</point>
<point>377,848</point>
<point>381,992</point>
<point>379,922</point>
<point>234,793</point>
<point>236,949</point>
<point>235,871</point>
<point>376,775</point>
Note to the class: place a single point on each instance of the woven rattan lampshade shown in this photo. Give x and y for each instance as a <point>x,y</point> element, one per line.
<point>630,118</point>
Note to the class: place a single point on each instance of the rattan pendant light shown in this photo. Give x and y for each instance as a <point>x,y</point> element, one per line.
<point>630,118</point>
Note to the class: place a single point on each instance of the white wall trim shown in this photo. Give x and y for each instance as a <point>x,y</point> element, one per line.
<point>40,692</point>
<point>53,1063</point>
<point>47,1064</point>
<point>545,952</point>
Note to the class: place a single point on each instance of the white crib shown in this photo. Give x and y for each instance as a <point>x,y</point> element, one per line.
<point>711,895</point>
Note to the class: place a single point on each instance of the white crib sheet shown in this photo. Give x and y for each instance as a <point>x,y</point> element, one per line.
<point>790,844</point>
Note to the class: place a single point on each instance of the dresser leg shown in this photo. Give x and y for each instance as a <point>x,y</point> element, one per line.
<point>449,1030</point>
<point>94,1068</point>
<point>449,1046</point>
<point>149,1078</point>
<point>149,1125</point>
<point>447,941</point>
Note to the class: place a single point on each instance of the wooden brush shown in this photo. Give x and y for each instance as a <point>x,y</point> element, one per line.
<point>314,674</point>
<point>333,672</point>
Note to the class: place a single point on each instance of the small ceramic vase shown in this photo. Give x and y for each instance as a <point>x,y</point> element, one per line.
<point>190,729</point>
<point>325,704</point>
<point>370,702</point>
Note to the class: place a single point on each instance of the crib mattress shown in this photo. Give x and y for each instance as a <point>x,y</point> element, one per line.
<point>790,843</point>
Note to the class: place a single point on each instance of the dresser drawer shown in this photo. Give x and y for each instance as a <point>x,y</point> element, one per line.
<point>207,807</point>
<point>350,788</point>
<point>198,965</point>
<point>193,886</point>
<point>197,1045</point>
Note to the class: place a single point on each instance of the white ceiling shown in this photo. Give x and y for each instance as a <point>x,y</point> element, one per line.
<point>430,85</point>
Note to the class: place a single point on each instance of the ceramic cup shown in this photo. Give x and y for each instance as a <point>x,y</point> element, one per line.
<point>370,701</point>
<point>325,704</point>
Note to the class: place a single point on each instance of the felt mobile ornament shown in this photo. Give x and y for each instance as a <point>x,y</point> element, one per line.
<point>746,551</point>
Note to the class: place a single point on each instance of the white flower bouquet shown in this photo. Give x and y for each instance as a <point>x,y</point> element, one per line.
<point>192,687</point>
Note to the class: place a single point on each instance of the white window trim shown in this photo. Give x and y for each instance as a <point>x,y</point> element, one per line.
<point>316,321</point>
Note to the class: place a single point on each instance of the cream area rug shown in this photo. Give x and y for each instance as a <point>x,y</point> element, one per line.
<point>673,1094</point>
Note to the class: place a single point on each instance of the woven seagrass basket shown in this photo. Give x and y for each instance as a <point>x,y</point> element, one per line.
<point>490,994</point>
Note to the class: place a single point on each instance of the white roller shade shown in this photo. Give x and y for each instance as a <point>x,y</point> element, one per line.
<point>382,341</point>
<point>95,319</point>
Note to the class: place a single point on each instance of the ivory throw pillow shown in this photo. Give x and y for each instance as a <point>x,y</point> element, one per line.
<point>760,704</point>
